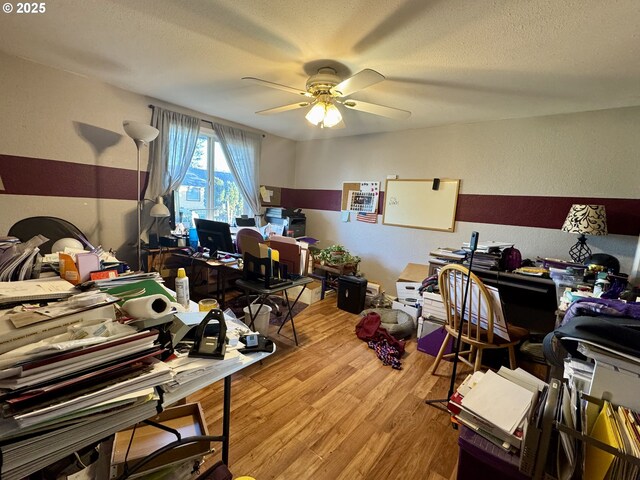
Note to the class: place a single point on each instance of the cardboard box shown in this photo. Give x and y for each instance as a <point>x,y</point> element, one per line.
<point>432,306</point>
<point>373,289</point>
<point>310,295</point>
<point>427,326</point>
<point>414,272</point>
<point>409,292</point>
<point>412,311</point>
<point>187,419</point>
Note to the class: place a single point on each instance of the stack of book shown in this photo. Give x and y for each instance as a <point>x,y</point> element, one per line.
<point>449,255</point>
<point>487,254</point>
<point>496,405</point>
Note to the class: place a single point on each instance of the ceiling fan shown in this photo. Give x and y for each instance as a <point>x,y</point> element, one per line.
<point>325,89</point>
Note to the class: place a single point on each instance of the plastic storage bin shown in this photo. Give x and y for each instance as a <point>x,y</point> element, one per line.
<point>352,292</point>
<point>481,459</point>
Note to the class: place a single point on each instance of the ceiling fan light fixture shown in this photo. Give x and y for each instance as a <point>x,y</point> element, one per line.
<point>332,116</point>
<point>324,113</point>
<point>316,114</point>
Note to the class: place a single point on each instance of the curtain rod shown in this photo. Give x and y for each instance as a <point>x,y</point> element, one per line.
<point>205,120</point>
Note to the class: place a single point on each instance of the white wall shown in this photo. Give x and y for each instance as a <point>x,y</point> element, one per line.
<point>592,154</point>
<point>44,114</point>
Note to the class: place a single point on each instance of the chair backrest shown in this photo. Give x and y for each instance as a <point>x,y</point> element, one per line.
<point>480,308</point>
<point>246,236</point>
<point>51,227</point>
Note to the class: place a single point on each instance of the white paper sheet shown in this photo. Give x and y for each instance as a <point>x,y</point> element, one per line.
<point>499,401</point>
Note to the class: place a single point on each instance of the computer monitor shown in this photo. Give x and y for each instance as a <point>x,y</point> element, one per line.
<point>216,236</point>
<point>245,221</point>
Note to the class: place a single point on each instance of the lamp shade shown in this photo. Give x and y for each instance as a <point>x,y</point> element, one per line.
<point>316,114</point>
<point>586,219</point>
<point>332,116</point>
<point>140,131</point>
<point>324,113</point>
<point>159,210</point>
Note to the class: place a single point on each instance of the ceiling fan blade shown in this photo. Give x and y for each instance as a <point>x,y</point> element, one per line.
<point>284,108</point>
<point>359,81</point>
<point>376,109</point>
<point>265,83</point>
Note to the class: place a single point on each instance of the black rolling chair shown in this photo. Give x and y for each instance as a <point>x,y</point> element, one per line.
<point>51,227</point>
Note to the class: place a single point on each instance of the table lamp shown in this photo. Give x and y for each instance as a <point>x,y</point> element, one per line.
<point>584,220</point>
<point>141,134</point>
<point>159,210</point>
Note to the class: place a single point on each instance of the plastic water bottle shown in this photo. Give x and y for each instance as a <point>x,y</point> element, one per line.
<point>193,237</point>
<point>182,288</point>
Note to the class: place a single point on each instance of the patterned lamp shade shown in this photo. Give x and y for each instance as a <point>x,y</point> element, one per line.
<point>585,220</point>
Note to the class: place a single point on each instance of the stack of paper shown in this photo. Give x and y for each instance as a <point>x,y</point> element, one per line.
<point>83,371</point>
<point>494,407</point>
<point>18,260</point>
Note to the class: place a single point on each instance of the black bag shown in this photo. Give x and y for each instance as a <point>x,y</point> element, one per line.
<point>510,259</point>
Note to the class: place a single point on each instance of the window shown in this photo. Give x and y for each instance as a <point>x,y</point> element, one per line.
<point>203,195</point>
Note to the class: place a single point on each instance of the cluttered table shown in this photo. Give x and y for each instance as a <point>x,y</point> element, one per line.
<point>63,396</point>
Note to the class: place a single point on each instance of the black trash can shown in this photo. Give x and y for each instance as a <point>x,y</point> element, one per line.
<point>352,292</point>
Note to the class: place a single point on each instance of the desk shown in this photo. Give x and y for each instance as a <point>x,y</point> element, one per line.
<point>263,293</point>
<point>65,440</point>
<point>528,301</point>
<point>223,271</point>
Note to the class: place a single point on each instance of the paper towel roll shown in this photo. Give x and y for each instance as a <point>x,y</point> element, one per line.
<point>151,306</point>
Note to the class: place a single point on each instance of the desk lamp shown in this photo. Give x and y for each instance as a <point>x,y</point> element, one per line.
<point>585,220</point>
<point>159,210</point>
<point>141,134</point>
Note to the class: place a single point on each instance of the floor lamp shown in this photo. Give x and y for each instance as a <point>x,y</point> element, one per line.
<point>441,403</point>
<point>141,134</point>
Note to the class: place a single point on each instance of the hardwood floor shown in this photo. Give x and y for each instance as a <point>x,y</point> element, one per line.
<point>328,409</point>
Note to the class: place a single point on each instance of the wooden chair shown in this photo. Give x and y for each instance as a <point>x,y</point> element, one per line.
<point>476,335</point>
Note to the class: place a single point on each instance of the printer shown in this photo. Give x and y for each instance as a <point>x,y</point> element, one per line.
<point>287,219</point>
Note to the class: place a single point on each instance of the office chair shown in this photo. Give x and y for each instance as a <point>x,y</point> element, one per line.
<point>246,237</point>
<point>478,334</point>
<point>51,227</point>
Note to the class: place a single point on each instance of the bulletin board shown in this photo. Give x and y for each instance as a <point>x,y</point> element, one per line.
<point>270,196</point>
<point>415,204</point>
<point>360,196</point>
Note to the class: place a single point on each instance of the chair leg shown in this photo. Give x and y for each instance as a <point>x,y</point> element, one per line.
<point>478,363</point>
<point>440,353</point>
<point>473,353</point>
<point>512,358</point>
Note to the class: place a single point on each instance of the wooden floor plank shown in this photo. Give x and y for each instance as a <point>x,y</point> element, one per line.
<point>329,409</point>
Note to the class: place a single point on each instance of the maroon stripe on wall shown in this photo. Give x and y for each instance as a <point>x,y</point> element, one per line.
<point>623,215</point>
<point>36,176</point>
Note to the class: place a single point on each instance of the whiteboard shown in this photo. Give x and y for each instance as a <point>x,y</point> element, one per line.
<point>414,203</point>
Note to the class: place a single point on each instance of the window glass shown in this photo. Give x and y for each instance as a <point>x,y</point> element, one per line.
<point>209,190</point>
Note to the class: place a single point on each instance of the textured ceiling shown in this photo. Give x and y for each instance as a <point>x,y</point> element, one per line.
<point>447,61</point>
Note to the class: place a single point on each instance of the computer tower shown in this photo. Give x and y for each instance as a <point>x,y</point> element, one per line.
<point>352,292</point>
